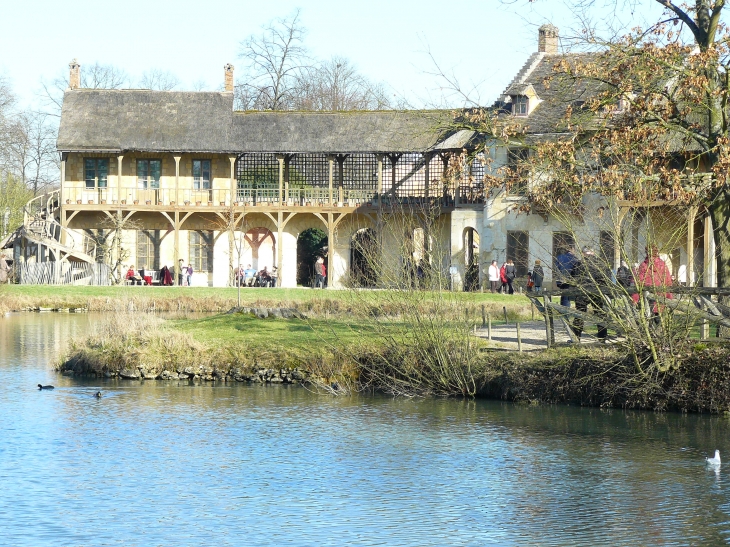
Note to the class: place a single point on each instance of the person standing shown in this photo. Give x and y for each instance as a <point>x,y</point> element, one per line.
<point>510,272</point>
<point>189,272</point>
<point>594,282</point>
<point>503,278</point>
<point>538,275</point>
<point>493,274</point>
<point>320,273</point>
<point>565,263</point>
<point>653,272</point>
<point>180,272</point>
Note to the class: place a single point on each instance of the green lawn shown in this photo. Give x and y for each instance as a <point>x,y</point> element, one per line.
<point>219,330</point>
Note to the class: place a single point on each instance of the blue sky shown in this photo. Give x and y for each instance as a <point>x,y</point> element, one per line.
<point>483,43</point>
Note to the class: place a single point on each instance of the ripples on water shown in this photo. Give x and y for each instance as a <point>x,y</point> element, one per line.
<point>179,464</point>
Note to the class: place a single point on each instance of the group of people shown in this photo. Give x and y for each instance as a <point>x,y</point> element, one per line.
<point>592,275</point>
<point>165,277</point>
<point>250,277</point>
<point>501,279</point>
<point>596,282</point>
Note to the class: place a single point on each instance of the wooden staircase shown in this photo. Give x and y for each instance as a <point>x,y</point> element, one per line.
<point>41,227</point>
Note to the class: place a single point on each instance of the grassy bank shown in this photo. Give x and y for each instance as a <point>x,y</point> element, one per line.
<point>355,354</point>
<point>215,300</point>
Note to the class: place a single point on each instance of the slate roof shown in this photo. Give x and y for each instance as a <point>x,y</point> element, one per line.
<point>556,92</point>
<point>174,121</point>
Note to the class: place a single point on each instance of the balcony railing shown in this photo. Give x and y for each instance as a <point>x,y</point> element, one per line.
<point>134,195</point>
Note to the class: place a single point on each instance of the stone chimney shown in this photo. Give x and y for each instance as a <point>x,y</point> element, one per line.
<point>547,39</point>
<point>74,76</point>
<point>228,77</point>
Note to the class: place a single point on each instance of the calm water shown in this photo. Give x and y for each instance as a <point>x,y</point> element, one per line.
<point>179,464</point>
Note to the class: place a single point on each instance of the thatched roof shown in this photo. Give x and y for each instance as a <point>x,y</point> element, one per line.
<point>174,121</point>
<point>144,120</point>
<point>357,131</point>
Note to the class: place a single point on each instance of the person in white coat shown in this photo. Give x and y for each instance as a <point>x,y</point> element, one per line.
<point>494,280</point>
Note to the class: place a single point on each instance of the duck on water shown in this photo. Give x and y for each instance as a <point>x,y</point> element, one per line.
<point>44,387</point>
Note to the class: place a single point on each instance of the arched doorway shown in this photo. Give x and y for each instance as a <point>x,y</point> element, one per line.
<point>471,259</point>
<point>311,243</point>
<point>364,257</point>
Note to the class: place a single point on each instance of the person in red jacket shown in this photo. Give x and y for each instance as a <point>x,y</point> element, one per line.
<point>503,278</point>
<point>653,272</point>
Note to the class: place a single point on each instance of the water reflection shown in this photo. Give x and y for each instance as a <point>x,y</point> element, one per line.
<point>231,464</point>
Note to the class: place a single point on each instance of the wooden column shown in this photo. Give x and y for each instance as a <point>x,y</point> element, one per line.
<point>340,178</point>
<point>427,172</point>
<point>331,161</point>
<point>330,244</point>
<point>62,196</point>
<point>177,186</point>
<point>119,179</point>
<point>380,174</point>
<point>280,159</point>
<point>393,162</point>
<point>287,158</point>
<point>232,159</point>
<point>279,247</point>
<point>691,216</point>
<point>176,251</point>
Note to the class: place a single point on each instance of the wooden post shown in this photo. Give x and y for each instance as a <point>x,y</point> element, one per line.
<point>484,316</point>
<point>532,309</point>
<point>504,309</point>
<point>489,327</point>
<point>331,161</point>
<point>552,323</point>
<point>547,320</point>
<point>519,338</point>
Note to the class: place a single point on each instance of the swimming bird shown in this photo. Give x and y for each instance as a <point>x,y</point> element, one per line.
<point>44,387</point>
<point>97,394</point>
<point>715,460</point>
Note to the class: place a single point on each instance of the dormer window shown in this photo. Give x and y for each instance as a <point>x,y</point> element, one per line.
<point>520,105</point>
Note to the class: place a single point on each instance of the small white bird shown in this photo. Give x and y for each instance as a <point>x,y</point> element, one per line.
<point>715,460</point>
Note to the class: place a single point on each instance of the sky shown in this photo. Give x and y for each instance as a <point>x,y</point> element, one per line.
<point>480,43</point>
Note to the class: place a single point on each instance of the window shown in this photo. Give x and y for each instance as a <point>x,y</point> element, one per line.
<point>519,105</point>
<point>518,249</point>
<point>201,250</point>
<point>516,181</point>
<point>148,174</point>
<point>201,174</point>
<point>95,172</point>
<point>148,246</point>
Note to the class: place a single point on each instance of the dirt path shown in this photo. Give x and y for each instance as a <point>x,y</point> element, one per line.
<point>504,336</point>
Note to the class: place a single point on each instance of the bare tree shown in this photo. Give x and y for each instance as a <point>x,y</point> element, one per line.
<point>335,84</point>
<point>275,63</point>
<point>160,80</point>
<point>31,150</point>
<point>96,76</point>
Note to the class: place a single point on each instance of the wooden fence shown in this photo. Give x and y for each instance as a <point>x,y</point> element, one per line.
<point>695,302</point>
<point>64,273</point>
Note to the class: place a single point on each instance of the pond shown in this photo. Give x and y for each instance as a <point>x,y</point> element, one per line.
<point>177,463</point>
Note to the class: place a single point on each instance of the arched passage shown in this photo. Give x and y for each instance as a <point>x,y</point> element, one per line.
<point>311,243</point>
<point>364,257</point>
